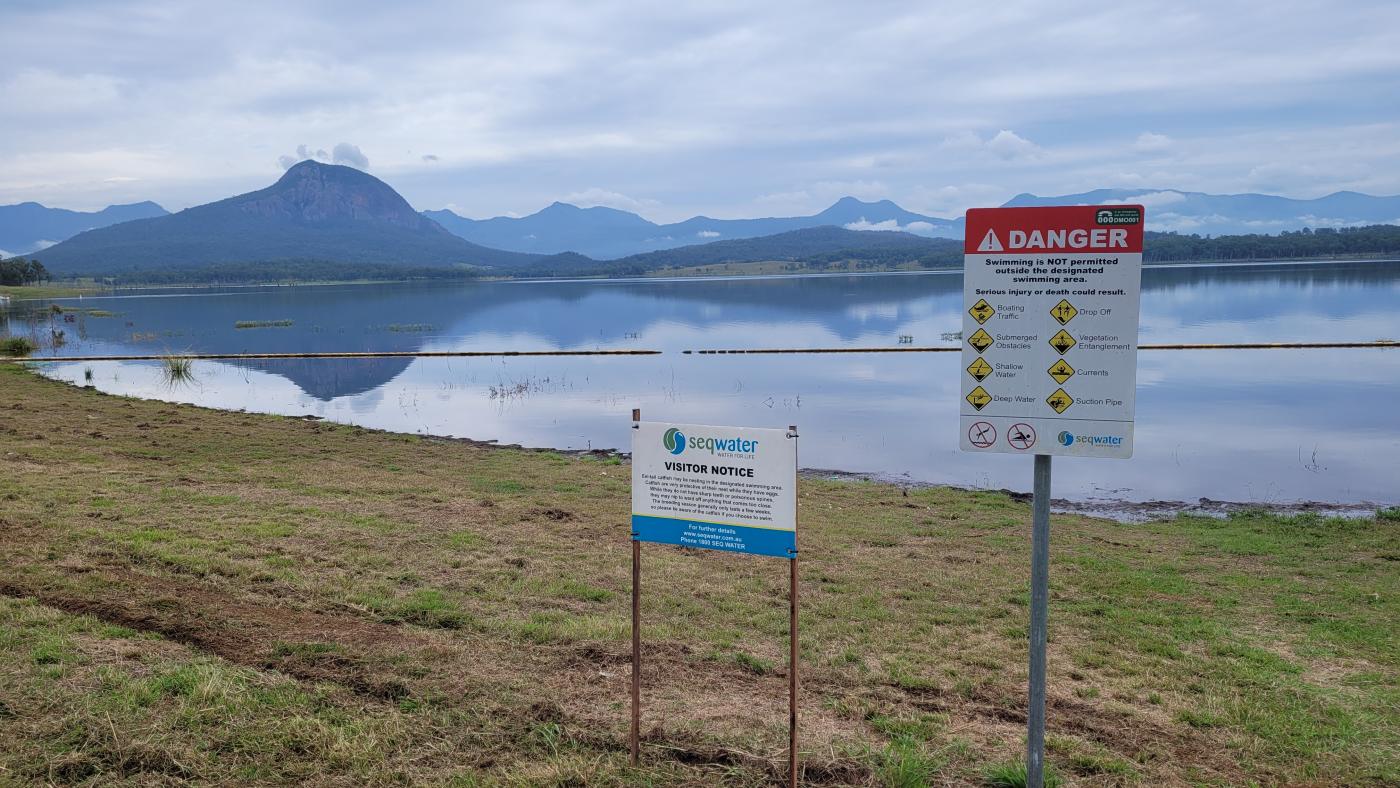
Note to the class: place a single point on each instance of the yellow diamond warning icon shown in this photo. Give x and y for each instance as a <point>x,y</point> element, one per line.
<point>981,340</point>
<point>1062,342</point>
<point>983,311</point>
<point>1063,311</point>
<point>1060,371</point>
<point>1059,401</point>
<point>978,398</point>
<point>979,369</point>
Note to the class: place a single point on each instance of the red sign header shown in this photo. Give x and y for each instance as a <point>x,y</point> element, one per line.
<point>1069,229</point>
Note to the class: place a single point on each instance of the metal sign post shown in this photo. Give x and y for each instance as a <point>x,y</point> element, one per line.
<point>719,488</point>
<point>793,661</point>
<point>1040,604</point>
<point>636,629</point>
<point>1050,324</point>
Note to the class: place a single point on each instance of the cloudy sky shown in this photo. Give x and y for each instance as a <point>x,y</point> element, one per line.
<point>722,108</point>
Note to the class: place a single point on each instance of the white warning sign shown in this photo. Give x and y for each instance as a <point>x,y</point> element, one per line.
<point>1050,327</point>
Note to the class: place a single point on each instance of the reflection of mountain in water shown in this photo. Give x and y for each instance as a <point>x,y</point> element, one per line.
<point>480,316</point>
<point>599,314</point>
<point>326,379</point>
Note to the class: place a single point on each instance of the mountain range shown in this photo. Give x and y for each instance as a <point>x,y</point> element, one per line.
<point>607,233</point>
<point>328,221</point>
<point>30,227</point>
<point>1170,210</point>
<point>314,211</point>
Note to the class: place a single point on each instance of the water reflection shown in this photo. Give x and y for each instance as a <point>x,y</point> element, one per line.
<point>1262,426</point>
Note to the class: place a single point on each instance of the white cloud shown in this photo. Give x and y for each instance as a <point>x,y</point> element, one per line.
<point>891,225</point>
<point>349,155</point>
<point>701,106</point>
<point>1008,144</point>
<point>817,196</point>
<point>342,153</point>
<point>707,234</point>
<point>952,201</point>
<point>1151,199</point>
<point>1005,145</point>
<point>1151,142</point>
<point>595,196</point>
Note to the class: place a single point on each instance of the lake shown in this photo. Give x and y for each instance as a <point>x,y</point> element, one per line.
<point>1263,426</point>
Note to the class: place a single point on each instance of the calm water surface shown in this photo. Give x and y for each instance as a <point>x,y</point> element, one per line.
<point>1257,426</point>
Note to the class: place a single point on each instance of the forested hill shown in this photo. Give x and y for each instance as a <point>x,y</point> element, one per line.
<point>814,246</point>
<point>814,249</point>
<point>1375,240</point>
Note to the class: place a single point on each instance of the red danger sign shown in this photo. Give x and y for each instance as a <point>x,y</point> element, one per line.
<point>1072,229</point>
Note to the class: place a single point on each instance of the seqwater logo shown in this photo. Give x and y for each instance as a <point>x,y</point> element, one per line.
<point>674,441</point>
<point>1067,438</point>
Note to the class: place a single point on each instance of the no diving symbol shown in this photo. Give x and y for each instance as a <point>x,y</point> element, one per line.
<point>1021,436</point>
<point>982,434</point>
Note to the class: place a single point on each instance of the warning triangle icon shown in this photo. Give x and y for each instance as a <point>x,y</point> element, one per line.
<point>990,243</point>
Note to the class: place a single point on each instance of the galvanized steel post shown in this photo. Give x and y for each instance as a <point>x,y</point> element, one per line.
<point>1040,602</point>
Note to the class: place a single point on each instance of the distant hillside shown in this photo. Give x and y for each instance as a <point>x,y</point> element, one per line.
<point>316,211</point>
<point>810,245</point>
<point>1378,240</point>
<point>607,233</point>
<point>1169,210</point>
<point>29,226</point>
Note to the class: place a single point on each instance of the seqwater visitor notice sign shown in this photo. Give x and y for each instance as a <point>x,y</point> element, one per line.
<point>1050,329</point>
<point>720,488</point>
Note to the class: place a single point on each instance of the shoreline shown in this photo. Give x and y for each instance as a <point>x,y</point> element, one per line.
<point>1117,509</point>
<point>661,275</point>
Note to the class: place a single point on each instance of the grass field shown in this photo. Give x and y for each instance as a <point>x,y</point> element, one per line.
<point>197,596</point>
<point>49,290</point>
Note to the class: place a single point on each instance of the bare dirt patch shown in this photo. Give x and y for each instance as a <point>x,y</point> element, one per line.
<point>245,633</point>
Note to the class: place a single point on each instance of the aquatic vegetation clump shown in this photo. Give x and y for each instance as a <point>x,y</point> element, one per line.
<point>177,370</point>
<point>262,324</point>
<point>16,346</point>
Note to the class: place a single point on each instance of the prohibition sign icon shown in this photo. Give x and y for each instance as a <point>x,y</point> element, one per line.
<point>1021,436</point>
<point>981,434</point>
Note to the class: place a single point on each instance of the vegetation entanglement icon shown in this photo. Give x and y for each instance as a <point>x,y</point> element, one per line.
<point>1062,342</point>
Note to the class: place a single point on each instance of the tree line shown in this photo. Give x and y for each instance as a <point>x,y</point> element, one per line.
<point>19,271</point>
<point>1373,240</point>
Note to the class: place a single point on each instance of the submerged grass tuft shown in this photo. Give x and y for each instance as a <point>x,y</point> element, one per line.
<point>177,370</point>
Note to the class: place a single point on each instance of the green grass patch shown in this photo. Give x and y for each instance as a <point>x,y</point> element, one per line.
<point>262,324</point>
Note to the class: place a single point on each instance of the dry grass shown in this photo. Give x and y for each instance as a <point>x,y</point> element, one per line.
<point>192,595</point>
